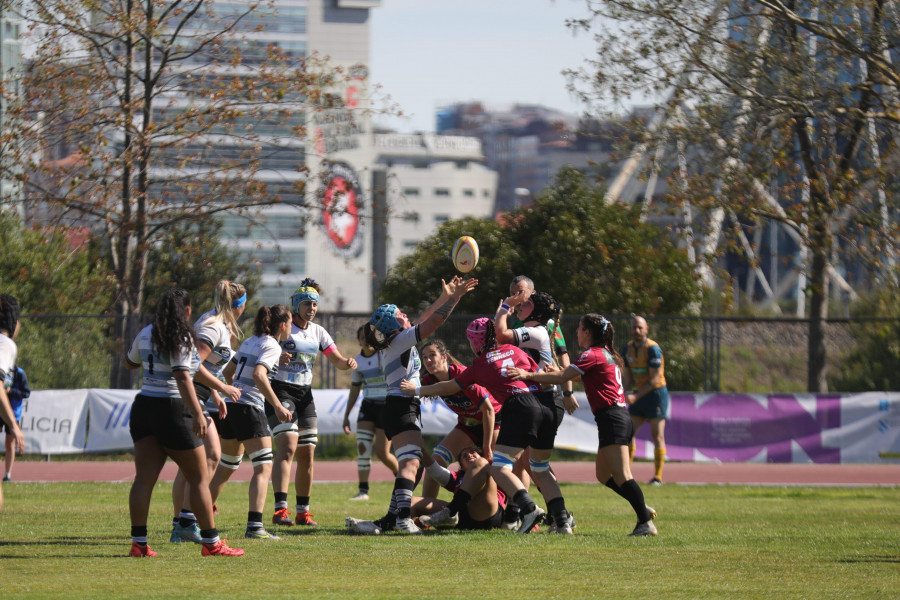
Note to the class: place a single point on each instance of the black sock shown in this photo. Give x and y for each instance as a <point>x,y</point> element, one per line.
<point>557,508</point>
<point>511,512</point>
<point>611,484</point>
<point>631,491</point>
<point>460,499</point>
<point>254,517</point>
<point>301,500</point>
<point>208,534</point>
<point>524,501</point>
<point>280,497</point>
<point>186,521</point>
<point>138,531</point>
<point>364,487</point>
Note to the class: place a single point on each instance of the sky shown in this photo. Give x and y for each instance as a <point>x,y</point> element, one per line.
<point>430,53</point>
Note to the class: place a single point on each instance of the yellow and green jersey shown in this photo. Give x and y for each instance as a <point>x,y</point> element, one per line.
<point>640,359</point>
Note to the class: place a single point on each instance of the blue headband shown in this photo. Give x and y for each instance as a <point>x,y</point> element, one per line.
<point>304,294</point>
<point>384,319</point>
<point>239,302</point>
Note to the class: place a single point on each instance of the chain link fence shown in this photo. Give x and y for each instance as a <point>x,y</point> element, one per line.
<point>701,354</point>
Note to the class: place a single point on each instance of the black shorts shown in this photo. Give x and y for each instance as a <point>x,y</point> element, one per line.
<point>299,400</point>
<point>614,426</point>
<point>473,432</point>
<point>530,419</point>
<point>166,419</point>
<point>467,522</point>
<point>245,422</point>
<point>372,410</point>
<point>222,425</point>
<point>401,413</point>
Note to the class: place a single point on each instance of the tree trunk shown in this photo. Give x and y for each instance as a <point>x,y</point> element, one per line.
<point>817,367</point>
<point>125,328</point>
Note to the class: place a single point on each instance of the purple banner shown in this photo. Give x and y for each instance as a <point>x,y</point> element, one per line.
<point>743,427</point>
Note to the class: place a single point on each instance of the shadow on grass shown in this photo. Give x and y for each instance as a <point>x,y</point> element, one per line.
<point>875,558</point>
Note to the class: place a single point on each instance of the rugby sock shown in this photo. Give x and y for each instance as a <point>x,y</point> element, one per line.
<point>631,491</point>
<point>210,536</point>
<point>280,500</point>
<point>302,504</point>
<point>186,518</point>
<point>363,487</point>
<point>511,512</point>
<point>460,499</point>
<point>524,501</point>
<point>254,520</point>
<point>403,492</point>
<point>557,508</point>
<point>139,534</point>
<point>659,459</point>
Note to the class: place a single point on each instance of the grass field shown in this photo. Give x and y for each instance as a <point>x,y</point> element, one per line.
<point>70,540</point>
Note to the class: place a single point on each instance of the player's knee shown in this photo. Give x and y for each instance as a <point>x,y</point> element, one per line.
<point>539,466</point>
<point>409,452</point>
<point>442,455</point>
<point>308,437</point>
<point>231,462</point>
<point>503,461</point>
<point>261,457</point>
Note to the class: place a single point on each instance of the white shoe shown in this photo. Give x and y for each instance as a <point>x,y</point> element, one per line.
<point>531,519</point>
<point>360,496</point>
<point>406,526</point>
<point>564,528</point>
<point>651,511</point>
<point>644,529</point>
<point>362,527</point>
<point>441,517</point>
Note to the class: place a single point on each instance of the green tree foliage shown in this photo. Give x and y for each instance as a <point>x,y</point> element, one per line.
<point>872,363</point>
<point>193,256</point>
<point>590,256</point>
<point>63,288</point>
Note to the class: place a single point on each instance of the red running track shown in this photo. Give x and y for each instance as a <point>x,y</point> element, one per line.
<point>575,472</point>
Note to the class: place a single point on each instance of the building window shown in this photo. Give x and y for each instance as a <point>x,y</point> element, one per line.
<point>486,193</point>
<point>441,191</point>
<point>469,193</point>
<point>411,216</point>
<point>410,244</point>
<point>441,219</point>
<point>410,191</point>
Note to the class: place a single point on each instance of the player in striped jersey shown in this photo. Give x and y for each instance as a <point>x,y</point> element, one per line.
<point>391,331</point>
<point>167,420</point>
<point>217,332</point>
<point>246,426</point>
<point>368,377</point>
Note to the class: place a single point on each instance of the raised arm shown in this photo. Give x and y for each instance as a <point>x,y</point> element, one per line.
<point>438,312</point>
<point>504,333</point>
<point>441,388</point>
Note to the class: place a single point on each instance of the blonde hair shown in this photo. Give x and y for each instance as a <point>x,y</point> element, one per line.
<point>226,293</point>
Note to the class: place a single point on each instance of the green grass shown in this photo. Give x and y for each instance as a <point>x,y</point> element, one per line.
<point>70,540</point>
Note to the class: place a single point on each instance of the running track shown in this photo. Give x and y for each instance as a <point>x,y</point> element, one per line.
<point>576,472</point>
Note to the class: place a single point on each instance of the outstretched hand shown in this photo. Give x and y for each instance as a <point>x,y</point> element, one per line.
<point>408,387</point>
<point>515,373</point>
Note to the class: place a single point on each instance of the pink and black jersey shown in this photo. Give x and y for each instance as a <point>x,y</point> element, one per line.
<point>489,370</point>
<point>467,402</point>
<point>602,378</point>
<point>456,479</point>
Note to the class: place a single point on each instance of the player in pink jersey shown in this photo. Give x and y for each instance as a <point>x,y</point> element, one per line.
<point>530,419</point>
<point>600,369</point>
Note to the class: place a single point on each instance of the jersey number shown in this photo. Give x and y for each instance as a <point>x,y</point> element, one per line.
<point>242,363</point>
<point>505,365</point>
<point>619,380</point>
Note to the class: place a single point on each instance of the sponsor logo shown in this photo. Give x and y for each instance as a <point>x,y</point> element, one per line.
<point>342,207</point>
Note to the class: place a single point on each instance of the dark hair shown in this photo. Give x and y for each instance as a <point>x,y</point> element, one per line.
<point>310,282</point>
<point>490,338</point>
<point>268,318</point>
<point>545,308</point>
<point>602,334</point>
<point>172,334</point>
<point>9,313</point>
<point>442,350</point>
<point>376,339</point>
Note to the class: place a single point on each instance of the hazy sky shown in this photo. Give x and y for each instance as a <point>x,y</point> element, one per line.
<point>429,53</point>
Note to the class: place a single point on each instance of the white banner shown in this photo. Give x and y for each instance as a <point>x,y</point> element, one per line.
<point>55,421</point>
<point>110,412</point>
<point>857,428</point>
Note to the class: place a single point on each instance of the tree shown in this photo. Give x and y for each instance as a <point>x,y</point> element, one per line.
<point>57,272</point>
<point>160,112</point>
<point>788,108</point>
<point>590,256</point>
<point>193,256</point>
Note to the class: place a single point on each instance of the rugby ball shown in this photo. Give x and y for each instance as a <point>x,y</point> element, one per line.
<point>465,254</point>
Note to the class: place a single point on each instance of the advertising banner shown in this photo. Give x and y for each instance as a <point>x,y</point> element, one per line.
<point>110,412</point>
<point>55,421</point>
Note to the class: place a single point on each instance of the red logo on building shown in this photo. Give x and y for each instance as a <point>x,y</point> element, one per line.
<point>342,207</point>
